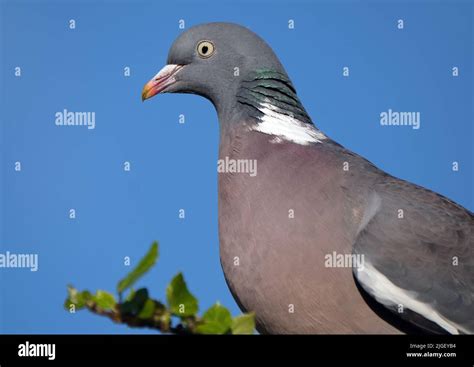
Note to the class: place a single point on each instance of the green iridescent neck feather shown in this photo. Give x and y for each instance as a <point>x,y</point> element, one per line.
<point>272,90</point>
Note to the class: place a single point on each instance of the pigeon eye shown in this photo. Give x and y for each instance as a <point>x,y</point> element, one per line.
<point>205,49</point>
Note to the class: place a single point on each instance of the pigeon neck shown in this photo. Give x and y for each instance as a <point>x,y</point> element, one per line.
<point>267,89</point>
<point>267,102</point>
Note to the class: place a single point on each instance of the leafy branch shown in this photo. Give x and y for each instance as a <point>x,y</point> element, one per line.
<point>177,316</point>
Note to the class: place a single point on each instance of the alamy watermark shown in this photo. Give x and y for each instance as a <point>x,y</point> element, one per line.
<point>335,260</point>
<point>229,165</point>
<point>394,118</point>
<point>69,118</point>
<point>10,260</point>
<point>28,349</point>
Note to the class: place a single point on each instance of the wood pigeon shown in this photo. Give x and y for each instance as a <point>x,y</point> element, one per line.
<point>319,240</point>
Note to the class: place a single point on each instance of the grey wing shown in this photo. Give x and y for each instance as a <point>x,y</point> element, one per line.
<point>418,256</point>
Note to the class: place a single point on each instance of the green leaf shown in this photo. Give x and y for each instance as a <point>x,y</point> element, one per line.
<point>180,301</point>
<point>243,324</point>
<point>130,295</point>
<point>216,320</point>
<point>148,309</point>
<point>105,300</point>
<point>136,303</point>
<point>143,266</point>
<point>76,298</point>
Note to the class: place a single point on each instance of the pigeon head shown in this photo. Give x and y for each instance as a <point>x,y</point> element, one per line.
<point>214,61</point>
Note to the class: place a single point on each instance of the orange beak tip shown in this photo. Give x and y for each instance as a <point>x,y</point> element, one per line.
<point>160,81</point>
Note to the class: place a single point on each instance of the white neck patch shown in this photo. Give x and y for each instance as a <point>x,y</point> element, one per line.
<point>284,127</point>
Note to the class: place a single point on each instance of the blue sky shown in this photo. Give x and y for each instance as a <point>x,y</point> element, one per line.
<point>173,165</point>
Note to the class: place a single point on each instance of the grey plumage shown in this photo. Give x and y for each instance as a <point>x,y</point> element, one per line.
<point>418,269</point>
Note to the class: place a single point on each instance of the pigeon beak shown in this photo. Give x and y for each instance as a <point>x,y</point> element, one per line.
<point>161,81</point>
